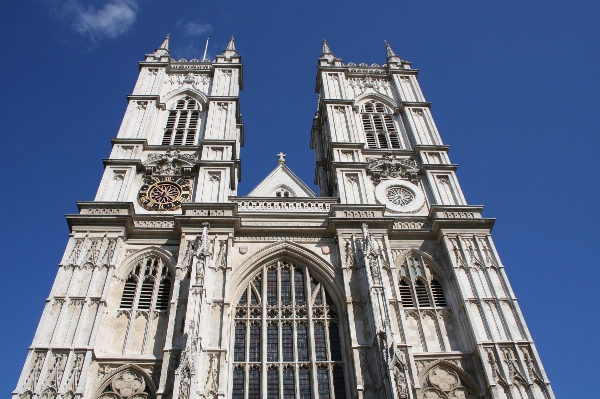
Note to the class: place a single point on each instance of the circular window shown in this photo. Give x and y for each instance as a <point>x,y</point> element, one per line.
<point>400,196</point>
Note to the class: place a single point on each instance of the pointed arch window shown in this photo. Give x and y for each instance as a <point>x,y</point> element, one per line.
<point>379,126</point>
<point>182,123</point>
<point>418,286</point>
<point>148,286</point>
<point>299,320</point>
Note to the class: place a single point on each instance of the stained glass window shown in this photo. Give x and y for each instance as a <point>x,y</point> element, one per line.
<point>323,383</point>
<point>238,384</point>
<point>254,349</point>
<point>284,320</point>
<point>286,288</point>
<point>339,385</point>
<point>240,343</point>
<point>334,342</point>
<point>254,384</point>
<point>301,338</point>
<point>289,391</point>
<point>272,384</point>
<point>299,287</point>
<point>287,343</point>
<point>320,347</point>
<point>304,383</point>
<point>272,343</point>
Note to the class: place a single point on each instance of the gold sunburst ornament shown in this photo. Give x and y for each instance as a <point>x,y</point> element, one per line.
<point>165,193</point>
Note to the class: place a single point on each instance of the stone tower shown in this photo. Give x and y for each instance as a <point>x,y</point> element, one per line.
<point>388,285</point>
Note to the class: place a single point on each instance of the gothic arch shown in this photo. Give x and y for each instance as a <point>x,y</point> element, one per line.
<point>197,95</point>
<point>321,269</point>
<point>428,258</point>
<point>149,387</point>
<point>462,375</point>
<point>129,262</point>
<point>363,98</point>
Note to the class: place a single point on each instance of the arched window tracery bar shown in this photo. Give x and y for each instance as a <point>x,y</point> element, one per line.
<point>287,340</point>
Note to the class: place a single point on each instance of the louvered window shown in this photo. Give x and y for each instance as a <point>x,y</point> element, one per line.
<point>422,296</point>
<point>282,359</point>
<point>148,286</point>
<point>437,293</point>
<point>378,124</point>
<point>182,123</point>
<point>405,295</point>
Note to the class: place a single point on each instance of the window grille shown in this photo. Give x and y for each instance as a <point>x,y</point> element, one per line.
<point>182,123</point>
<point>379,126</point>
<point>148,286</point>
<point>284,320</point>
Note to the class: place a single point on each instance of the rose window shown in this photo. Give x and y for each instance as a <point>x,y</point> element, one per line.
<point>400,195</point>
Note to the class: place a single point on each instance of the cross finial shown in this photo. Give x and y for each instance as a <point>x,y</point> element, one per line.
<point>281,156</point>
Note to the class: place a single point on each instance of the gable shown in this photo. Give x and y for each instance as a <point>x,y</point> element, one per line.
<point>282,182</point>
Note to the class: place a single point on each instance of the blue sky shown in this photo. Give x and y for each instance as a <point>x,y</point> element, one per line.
<point>514,88</point>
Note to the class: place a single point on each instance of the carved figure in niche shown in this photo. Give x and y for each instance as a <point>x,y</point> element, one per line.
<point>400,382</point>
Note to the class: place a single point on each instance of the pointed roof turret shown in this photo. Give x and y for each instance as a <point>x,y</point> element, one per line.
<point>230,49</point>
<point>392,57</point>
<point>165,43</point>
<point>161,52</point>
<point>326,49</point>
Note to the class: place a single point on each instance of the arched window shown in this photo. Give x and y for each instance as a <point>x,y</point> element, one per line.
<point>299,321</point>
<point>419,286</point>
<point>148,286</point>
<point>182,123</point>
<point>379,126</point>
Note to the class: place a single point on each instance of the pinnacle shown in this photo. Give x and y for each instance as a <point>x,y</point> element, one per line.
<point>231,45</point>
<point>326,49</point>
<point>165,43</point>
<point>390,51</point>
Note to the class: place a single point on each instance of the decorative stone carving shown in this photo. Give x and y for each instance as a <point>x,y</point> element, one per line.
<point>243,249</point>
<point>171,163</point>
<point>160,224</point>
<point>36,368</point>
<point>445,383</point>
<point>287,205</point>
<point>212,379</point>
<point>128,383</point>
<point>391,167</point>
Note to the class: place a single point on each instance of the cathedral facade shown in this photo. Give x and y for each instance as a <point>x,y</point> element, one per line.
<point>385,285</point>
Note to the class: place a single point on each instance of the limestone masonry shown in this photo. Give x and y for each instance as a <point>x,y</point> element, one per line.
<point>386,285</point>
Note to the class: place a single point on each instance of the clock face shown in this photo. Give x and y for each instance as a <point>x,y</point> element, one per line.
<point>164,193</point>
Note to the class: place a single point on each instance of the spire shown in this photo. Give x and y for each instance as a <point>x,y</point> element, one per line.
<point>392,57</point>
<point>231,45</point>
<point>326,49</point>
<point>230,49</point>
<point>165,43</point>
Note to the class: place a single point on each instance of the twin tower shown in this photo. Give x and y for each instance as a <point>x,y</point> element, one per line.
<point>386,285</point>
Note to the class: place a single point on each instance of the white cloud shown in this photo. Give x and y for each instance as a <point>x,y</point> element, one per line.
<point>110,21</point>
<point>196,29</point>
